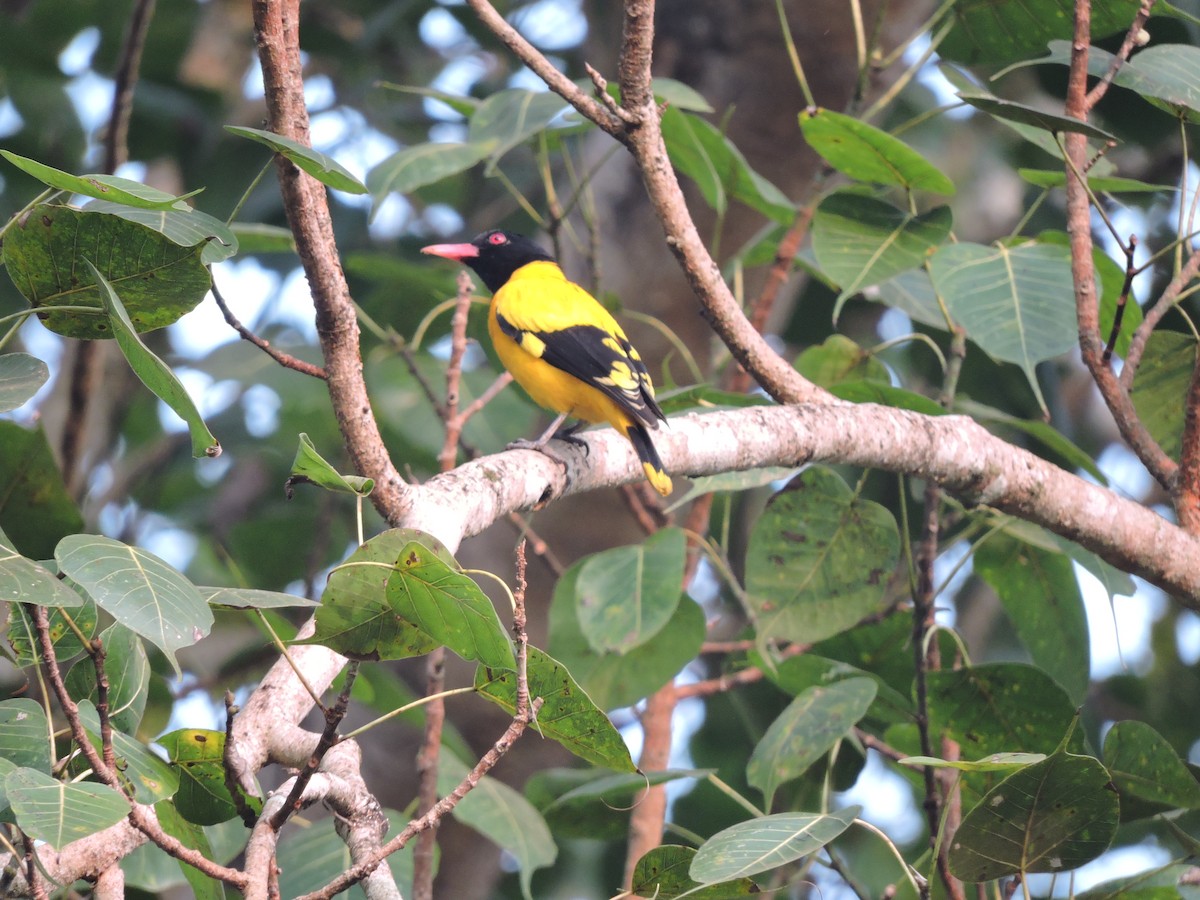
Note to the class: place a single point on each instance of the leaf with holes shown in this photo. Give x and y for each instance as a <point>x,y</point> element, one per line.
<point>568,715</point>
<point>819,559</point>
<point>1052,816</point>
<point>44,253</point>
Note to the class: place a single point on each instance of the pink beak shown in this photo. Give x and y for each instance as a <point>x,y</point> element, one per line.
<point>452,251</point>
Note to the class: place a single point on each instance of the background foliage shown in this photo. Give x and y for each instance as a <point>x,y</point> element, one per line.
<point>932,239</point>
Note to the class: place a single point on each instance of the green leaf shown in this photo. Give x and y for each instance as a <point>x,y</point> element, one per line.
<point>1148,773</point>
<point>997,762</point>
<point>312,856</point>
<point>1052,816</point>
<point>568,714</point>
<point>912,293</point>
<point>309,466</point>
<point>448,606</point>
<point>1165,75</point>
<point>24,735</point>
<point>250,598</point>
<point>464,106</point>
<point>256,237</point>
<point>137,589</point>
<point>198,755</point>
<point>797,674</point>
<point>325,169</point>
<point>699,151</point>
<point>837,360</point>
<point>58,813</point>
<point>21,375</point>
<point>1014,302</point>
<point>679,95</point>
<point>511,117</point>
<point>355,617</point>
<point>128,671</point>
<point>613,680</point>
<point>1000,708</point>
<point>998,31</point>
<point>886,395</point>
<point>663,873</point>
<point>731,482</point>
<point>706,397</point>
<point>503,816</point>
<point>25,581</point>
<point>1110,185</point>
<point>195,837</point>
<point>36,508</point>
<point>767,843</point>
<point>624,596</point>
<point>617,790</point>
<point>866,153</point>
<point>1112,281</point>
<point>102,187</point>
<point>819,559</point>
<point>422,164</point>
<point>187,229</point>
<point>150,778</point>
<point>1160,883</point>
<point>152,371</point>
<point>860,241</point>
<point>805,731</point>
<point>44,253</point>
<point>1041,595</point>
<point>1029,115</point>
<point>1160,387</point>
<point>23,638</point>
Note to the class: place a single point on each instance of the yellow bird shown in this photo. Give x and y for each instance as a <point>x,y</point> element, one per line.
<point>562,346</point>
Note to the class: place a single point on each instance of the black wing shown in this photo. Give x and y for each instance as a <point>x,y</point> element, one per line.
<point>606,361</point>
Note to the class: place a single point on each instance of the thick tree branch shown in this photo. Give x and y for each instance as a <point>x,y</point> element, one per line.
<point>276,29</point>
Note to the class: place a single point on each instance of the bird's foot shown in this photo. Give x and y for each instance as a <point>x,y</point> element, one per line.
<point>567,436</point>
<point>540,446</point>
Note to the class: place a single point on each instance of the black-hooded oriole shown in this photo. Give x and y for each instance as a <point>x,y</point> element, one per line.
<point>561,345</point>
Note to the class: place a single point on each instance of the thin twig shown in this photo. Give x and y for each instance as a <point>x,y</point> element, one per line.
<point>284,359</point>
<point>140,817</point>
<point>1165,303</point>
<point>333,718</point>
<point>1133,38</point>
<point>781,268</point>
<point>458,348</point>
<point>1129,248</point>
<point>1083,274</point>
<point>98,655</point>
<point>32,876</point>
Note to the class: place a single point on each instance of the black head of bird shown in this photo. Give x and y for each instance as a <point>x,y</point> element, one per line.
<point>493,255</point>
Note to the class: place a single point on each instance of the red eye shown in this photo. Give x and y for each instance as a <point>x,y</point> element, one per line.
<point>497,239</point>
